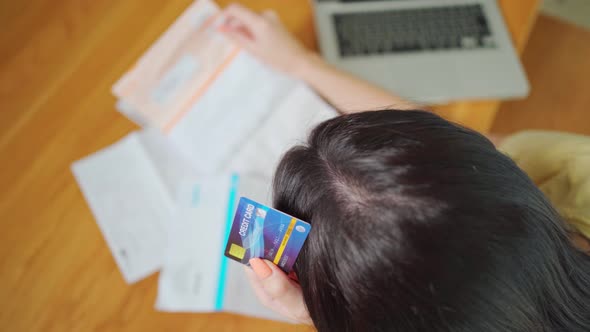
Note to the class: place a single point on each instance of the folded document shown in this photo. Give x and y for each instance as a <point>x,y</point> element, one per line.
<point>195,275</point>
<point>129,187</point>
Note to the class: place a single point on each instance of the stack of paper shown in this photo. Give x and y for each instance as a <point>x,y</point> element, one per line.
<point>216,121</point>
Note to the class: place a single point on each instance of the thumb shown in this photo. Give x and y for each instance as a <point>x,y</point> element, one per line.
<point>280,287</point>
<point>274,281</point>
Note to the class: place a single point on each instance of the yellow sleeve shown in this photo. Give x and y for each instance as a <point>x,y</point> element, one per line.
<point>559,163</point>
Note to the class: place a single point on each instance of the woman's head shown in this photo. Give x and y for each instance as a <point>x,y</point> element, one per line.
<point>422,225</point>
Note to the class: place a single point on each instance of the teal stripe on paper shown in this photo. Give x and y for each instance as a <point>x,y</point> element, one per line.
<point>228,221</point>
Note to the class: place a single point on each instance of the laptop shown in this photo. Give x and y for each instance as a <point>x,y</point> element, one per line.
<point>429,51</point>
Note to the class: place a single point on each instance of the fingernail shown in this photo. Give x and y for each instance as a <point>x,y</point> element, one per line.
<point>260,268</point>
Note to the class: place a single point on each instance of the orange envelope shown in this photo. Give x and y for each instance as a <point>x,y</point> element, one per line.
<point>177,69</point>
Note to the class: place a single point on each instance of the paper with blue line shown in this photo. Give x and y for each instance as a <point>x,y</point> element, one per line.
<point>196,276</point>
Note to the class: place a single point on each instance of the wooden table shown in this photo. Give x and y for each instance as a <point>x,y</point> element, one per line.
<point>58,60</point>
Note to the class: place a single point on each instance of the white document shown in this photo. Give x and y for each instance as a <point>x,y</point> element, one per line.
<point>243,124</point>
<point>247,119</point>
<point>234,107</point>
<point>129,187</point>
<point>172,166</point>
<point>289,124</point>
<point>196,276</point>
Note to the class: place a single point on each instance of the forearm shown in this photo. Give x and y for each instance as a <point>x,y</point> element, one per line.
<point>266,38</point>
<point>345,92</point>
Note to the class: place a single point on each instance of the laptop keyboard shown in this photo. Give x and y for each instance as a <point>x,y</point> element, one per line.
<point>413,30</point>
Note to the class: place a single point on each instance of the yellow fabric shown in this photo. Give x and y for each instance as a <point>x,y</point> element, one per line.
<point>559,163</point>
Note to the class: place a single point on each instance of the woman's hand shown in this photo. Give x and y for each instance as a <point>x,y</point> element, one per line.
<point>265,37</point>
<point>277,291</point>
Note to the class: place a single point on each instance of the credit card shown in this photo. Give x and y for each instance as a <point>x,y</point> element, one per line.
<point>259,231</point>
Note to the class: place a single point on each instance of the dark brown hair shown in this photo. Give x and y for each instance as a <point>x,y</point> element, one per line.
<point>419,224</point>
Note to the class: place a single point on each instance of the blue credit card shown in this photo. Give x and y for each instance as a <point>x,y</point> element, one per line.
<point>259,231</point>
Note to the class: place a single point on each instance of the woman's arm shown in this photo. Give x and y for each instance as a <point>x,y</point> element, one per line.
<point>265,37</point>
<point>345,92</point>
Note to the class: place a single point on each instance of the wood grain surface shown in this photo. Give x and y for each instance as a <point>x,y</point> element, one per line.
<point>557,60</point>
<point>58,61</point>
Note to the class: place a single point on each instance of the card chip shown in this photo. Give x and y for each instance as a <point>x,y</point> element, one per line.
<point>237,251</point>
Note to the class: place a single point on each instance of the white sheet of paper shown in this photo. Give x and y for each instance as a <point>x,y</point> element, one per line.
<point>245,125</point>
<point>289,124</point>
<point>172,166</point>
<point>129,187</point>
<point>196,276</point>
<point>234,107</point>
<point>247,119</point>
<point>130,204</point>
